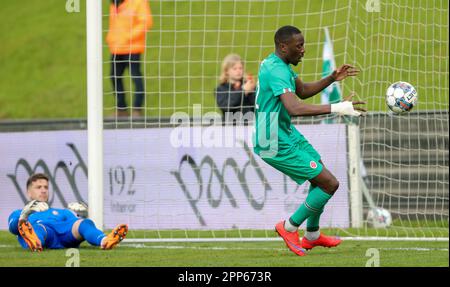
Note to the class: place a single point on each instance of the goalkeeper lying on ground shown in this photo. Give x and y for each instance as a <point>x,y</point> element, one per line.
<point>37,226</point>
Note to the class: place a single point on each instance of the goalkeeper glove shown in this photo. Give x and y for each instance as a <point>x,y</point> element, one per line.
<point>80,208</point>
<point>31,207</point>
<point>344,109</point>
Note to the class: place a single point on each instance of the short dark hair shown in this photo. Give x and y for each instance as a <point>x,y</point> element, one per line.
<point>35,177</point>
<point>284,34</point>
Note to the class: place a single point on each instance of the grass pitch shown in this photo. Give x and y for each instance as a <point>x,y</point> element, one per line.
<point>233,254</point>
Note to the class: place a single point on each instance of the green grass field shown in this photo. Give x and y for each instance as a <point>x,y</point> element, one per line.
<point>43,76</point>
<point>233,254</point>
<point>43,59</point>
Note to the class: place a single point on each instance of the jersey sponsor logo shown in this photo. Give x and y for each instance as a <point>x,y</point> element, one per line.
<point>287,90</point>
<point>313,164</point>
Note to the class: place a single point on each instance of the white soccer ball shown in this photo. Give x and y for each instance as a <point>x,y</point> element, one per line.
<point>401,97</point>
<point>379,217</point>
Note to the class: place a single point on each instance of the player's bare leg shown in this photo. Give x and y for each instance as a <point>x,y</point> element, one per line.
<point>326,181</point>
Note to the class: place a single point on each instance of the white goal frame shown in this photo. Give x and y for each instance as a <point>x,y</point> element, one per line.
<point>357,188</point>
<point>95,110</point>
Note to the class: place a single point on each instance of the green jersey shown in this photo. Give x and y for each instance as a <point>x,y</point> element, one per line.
<point>274,132</point>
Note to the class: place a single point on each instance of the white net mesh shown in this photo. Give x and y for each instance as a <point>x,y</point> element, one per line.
<point>405,158</point>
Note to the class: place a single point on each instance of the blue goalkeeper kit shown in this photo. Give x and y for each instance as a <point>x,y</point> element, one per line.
<point>54,228</point>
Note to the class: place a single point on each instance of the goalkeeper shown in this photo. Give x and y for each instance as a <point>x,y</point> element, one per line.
<point>285,148</point>
<point>37,226</point>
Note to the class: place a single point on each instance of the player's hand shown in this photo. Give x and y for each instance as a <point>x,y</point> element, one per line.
<point>344,71</point>
<point>356,104</point>
<point>349,107</point>
<point>31,207</point>
<point>80,208</point>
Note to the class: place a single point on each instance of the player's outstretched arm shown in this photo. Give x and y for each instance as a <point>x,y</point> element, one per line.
<point>296,108</point>
<point>307,90</point>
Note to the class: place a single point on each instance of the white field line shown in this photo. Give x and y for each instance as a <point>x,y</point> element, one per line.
<point>197,247</point>
<point>135,245</point>
<point>415,249</point>
<point>260,248</point>
<point>152,240</point>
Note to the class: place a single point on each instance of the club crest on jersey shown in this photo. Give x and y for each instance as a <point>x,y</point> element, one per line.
<point>313,164</point>
<point>55,212</point>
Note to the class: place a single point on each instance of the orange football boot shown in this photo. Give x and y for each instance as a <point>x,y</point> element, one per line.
<point>115,236</point>
<point>290,238</point>
<point>323,240</point>
<point>29,235</point>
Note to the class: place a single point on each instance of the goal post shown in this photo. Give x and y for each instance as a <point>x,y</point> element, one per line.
<point>354,175</point>
<point>95,110</point>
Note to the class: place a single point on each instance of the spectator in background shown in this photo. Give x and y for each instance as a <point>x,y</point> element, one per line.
<point>235,93</point>
<point>129,21</point>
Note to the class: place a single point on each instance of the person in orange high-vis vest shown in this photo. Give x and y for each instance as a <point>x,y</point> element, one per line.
<point>129,20</point>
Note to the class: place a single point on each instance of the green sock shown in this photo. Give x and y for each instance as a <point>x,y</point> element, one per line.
<point>312,223</point>
<point>313,205</point>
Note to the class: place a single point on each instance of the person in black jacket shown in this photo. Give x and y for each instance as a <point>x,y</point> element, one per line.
<point>236,93</point>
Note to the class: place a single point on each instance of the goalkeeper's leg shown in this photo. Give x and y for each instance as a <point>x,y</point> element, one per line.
<point>85,229</point>
<point>32,236</point>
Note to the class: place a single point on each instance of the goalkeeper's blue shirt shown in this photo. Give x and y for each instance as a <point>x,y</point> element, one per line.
<point>57,223</point>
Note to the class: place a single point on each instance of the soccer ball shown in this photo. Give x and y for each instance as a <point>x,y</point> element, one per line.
<point>401,97</point>
<point>379,217</point>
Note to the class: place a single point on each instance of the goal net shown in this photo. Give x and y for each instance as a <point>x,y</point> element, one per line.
<point>175,172</point>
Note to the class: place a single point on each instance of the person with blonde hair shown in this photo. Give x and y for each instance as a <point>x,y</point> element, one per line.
<point>236,91</point>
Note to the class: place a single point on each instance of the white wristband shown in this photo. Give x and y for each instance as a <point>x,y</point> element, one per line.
<point>344,109</point>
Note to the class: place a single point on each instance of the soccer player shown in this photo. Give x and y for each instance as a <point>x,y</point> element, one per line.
<point>279,143</point>
<point>37,226</point>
